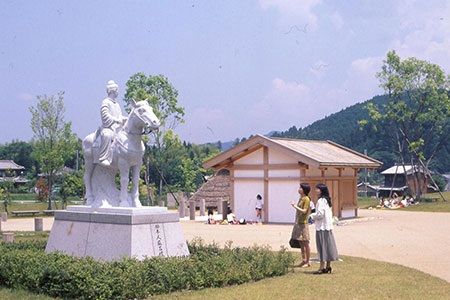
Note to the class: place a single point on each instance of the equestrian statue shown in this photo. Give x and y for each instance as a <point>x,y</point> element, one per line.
<point>116,147</point>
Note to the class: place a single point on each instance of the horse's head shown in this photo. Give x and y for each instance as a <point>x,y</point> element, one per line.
<point>144,113</point>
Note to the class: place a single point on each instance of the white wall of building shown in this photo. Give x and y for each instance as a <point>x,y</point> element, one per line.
<point>255,158</point>
<point>245,192</point>
<point>249,173</point>
<point>276,157</point>
<point>284,173</point>
<point>281,193</point>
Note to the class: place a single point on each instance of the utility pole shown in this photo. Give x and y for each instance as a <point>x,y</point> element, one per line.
<point>365,177</point>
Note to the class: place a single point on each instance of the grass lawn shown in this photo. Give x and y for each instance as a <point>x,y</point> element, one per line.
<point>355,278</point>
<point>9,294</point>
<point>435,206</point>
<point>18,206</point>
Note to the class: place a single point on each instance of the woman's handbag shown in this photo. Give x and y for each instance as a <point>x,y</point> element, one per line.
<point>294,243</point>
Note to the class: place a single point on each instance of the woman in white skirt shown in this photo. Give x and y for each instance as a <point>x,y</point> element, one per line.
<point>323,217</point>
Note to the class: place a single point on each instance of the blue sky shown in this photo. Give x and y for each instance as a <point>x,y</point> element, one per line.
<point>241,67</point>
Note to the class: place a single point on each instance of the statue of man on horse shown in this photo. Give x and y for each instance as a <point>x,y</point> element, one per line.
<point>116,147</point>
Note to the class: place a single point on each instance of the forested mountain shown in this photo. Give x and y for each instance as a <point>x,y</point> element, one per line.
<point>343,128</point>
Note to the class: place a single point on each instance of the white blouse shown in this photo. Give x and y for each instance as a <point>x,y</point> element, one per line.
<point>323,216</point>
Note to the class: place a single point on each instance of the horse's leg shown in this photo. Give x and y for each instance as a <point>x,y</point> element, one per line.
<point>87,180</point>
<point>124,169</point>
<point>135,185</point>
<point>89,164</point>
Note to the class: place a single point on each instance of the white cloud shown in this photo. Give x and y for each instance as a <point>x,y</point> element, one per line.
<point>294,10</point>
<point>361,83</point>
<point>337,20</point>
<point>286,104</point>
<point>427,32</point>
<point>26,96</point>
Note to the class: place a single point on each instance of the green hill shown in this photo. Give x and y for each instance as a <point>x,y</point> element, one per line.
<point>343,128</point>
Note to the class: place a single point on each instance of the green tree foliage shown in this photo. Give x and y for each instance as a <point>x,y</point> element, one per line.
<point>163,97</point>
<point>343,128</point>
<point>20,153</point>
<point>418,111</point>
<point>6,186</point>
<point>53,139</point>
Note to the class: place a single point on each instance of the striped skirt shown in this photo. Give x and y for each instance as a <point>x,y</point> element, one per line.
<point>326,246</point>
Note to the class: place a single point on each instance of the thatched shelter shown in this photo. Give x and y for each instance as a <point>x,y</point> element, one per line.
<point>217,188</point>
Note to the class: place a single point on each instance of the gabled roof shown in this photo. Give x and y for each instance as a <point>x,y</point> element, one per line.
<point>315,153</point>
<point>398,169</point>
<point>9,164</point>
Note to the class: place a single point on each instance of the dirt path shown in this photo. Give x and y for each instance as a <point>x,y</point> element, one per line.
<point>414,239</point>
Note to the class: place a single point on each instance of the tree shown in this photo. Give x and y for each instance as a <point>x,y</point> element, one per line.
<point>53,138</point>
<point>7,184</point>
<point>162,96</point>
<point>188,176</point>
<point>418,111</point>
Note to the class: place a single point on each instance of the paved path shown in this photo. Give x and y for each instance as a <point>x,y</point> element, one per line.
<point>414,239</point>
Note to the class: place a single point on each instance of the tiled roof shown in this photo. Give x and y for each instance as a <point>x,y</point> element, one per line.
<point>9,164</point>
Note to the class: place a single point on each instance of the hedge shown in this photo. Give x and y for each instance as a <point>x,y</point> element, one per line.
<point>25,265</point>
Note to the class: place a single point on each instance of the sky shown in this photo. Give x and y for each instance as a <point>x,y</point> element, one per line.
<point>240,67</point>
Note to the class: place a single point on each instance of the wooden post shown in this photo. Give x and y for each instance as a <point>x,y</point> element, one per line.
<point>4,216</point>
<point>224,209</point>
<point>202,207</point>
<point>219,206</point>
<point>192,210</point>
<point>181,208</point>
<point>38,224</point>
<point>266,184</point>
<point>8,237</point>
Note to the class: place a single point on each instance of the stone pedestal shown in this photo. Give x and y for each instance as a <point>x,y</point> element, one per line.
<point>4,216</point>
<point>109,233</point>
<point>38,224</point>
<point>8,237</point>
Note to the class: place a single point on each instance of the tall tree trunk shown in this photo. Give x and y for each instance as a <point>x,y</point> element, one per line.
<point>147,178</point>
<point>49,183</point>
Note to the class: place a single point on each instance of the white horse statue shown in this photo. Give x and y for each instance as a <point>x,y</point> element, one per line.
<point>128,149</point>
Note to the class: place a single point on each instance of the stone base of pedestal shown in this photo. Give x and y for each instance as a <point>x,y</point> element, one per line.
<point>110,233</point>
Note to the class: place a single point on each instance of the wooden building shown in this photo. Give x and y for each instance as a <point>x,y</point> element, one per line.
<point>12,172</point>
<point>396,178</point>
<point>274,167</point>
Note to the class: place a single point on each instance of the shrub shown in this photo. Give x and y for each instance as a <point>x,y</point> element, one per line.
<point>25,265</point>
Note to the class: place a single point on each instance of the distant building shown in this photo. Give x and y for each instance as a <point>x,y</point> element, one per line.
<point>274,167</point>
<point>371,190</point>
<point>396,178</point>
<point>12,172</point>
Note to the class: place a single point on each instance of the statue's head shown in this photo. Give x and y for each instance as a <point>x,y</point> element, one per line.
<point>112,89</point>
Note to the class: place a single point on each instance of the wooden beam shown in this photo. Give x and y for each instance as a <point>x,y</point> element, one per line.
<point>246,152</point>
<point>266,183</point>
<point>270,167</point>
<point>232,191</point>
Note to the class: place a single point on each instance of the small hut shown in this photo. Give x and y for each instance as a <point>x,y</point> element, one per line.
<point>215,189</point>
<point>274,167</point>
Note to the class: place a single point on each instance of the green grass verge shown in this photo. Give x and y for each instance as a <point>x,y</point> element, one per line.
<point>354,278</point>
<point>10,294</point>
<point>18,206</point>
<point>424,206</point>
